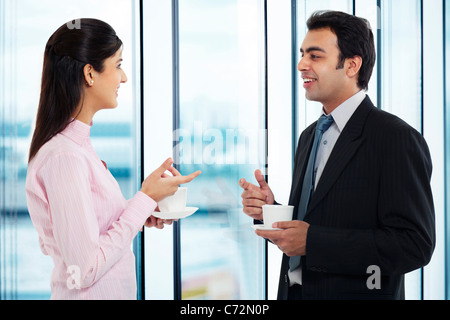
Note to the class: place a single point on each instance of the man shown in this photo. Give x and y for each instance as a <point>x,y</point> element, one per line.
<point>369,217</point>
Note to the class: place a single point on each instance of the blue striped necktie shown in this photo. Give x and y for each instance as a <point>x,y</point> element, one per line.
<point>323,125</point>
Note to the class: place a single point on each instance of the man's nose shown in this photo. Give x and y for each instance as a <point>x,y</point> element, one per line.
<point>302,65</point>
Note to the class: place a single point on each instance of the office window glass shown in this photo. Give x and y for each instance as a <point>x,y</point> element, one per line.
<point>401,60</point>
<point>25,27</point>
<point>400,90</point>
<point>221,132</point>
<point>434,133</point>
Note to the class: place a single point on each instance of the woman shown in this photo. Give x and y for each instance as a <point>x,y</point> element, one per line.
<point>83,221</point>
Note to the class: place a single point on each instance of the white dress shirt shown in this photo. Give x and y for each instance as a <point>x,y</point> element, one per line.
<point>341,115</point>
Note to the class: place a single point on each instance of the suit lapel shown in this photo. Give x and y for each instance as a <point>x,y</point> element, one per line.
<point>345,148</point>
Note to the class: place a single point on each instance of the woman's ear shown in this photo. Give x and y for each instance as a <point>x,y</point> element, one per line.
<point>88,75</point>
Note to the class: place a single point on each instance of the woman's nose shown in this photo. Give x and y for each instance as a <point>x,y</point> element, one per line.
<point>124,77</point>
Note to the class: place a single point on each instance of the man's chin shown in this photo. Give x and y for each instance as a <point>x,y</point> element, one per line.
<point>312,97</point>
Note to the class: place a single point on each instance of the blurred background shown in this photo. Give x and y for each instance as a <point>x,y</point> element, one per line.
<point>214,85</point>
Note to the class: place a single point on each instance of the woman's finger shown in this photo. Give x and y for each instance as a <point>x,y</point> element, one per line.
<point>174,171</point>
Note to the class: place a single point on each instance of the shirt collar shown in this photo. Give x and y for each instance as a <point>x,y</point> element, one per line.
<point>78,131</point>
<point>343,112</point>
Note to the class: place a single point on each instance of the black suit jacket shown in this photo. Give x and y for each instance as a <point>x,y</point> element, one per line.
<point>372,206</point>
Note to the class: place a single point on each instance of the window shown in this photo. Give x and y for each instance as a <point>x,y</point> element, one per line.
<point>400,56</point>
<point>202,86</point>
<point>25,26</point>
<point>221,132</point>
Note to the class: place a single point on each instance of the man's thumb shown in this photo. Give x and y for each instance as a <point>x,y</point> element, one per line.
<point>244,184</point>
<point>260,178</point>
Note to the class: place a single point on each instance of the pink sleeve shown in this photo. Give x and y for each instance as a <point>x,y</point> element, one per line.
<point>75,227</point>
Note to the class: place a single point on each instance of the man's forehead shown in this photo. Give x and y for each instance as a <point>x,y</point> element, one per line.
<point>323,39</point>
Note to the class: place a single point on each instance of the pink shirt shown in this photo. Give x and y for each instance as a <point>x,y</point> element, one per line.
<point>83,221</point>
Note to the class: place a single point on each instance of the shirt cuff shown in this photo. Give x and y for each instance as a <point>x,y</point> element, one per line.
<point>140,208</point>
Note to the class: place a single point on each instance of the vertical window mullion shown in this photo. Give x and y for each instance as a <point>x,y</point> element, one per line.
<point>176,126</point>
<point>138,37</point>
<point>433,128</point>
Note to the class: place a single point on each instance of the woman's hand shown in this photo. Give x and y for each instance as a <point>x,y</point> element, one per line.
<point>157,222</point>
<point>160,185</point>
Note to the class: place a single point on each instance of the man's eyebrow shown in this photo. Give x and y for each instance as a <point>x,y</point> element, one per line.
<point>120,60</point>
<point>313,49</point>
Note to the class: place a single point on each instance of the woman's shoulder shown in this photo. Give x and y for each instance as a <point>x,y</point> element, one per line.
<point>58,147</point>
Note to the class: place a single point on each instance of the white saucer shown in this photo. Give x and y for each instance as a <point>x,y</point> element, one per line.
<point>175,215</point>
<point>262,227</point>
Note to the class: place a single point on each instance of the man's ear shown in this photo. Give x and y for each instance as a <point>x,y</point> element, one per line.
<point>353,65</point>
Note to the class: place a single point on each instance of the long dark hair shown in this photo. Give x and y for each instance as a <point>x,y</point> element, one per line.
<point>69,49</point>
<point>355,38</point>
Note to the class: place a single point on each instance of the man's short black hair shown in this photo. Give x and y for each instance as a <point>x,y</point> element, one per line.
<point>355,38</point>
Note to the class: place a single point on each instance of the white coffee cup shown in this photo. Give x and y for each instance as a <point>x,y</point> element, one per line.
<point>175,202</point>
<point>276,213</point>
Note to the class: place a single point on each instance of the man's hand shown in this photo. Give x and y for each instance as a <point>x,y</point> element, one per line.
<point>254,197</point>
<point>291,240</point>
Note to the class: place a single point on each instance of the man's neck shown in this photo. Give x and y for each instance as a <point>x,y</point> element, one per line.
<point>329,107</point>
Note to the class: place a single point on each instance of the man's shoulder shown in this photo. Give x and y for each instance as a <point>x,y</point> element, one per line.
<point>387,130</point>
<point>385,121</point>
